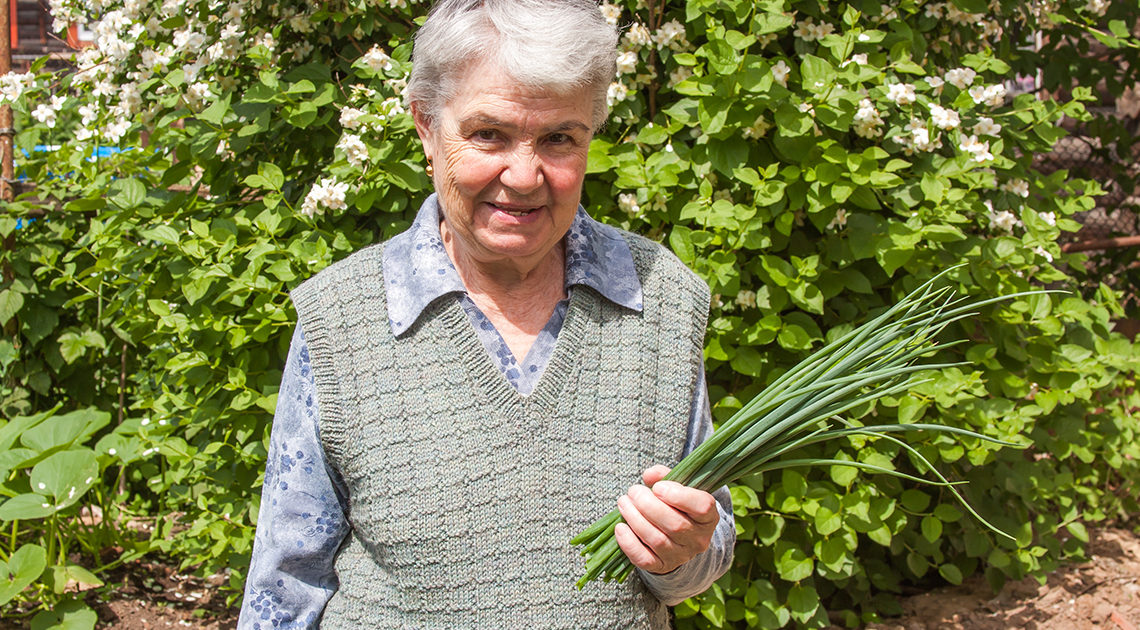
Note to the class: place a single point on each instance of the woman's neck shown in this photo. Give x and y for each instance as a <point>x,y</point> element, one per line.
<point>517,296</point>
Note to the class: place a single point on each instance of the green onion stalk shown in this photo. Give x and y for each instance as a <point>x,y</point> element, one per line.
<point>804,406</point>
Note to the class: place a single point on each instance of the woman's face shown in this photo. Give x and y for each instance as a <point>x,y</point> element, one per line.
<point>509,163</point>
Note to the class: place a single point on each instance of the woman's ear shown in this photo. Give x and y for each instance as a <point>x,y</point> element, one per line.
<point>423,125</point>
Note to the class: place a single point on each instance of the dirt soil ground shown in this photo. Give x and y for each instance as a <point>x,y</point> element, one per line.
<point>1103,593</point>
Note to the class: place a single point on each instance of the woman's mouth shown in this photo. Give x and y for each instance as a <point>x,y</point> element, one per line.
<point>514,211</point>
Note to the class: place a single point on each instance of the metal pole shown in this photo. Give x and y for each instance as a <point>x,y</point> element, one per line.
<point>7,170</point>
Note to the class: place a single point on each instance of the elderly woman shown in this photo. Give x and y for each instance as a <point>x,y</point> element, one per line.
<point>461,400</point>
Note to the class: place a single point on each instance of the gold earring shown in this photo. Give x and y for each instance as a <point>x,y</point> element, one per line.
<point>430,170</point>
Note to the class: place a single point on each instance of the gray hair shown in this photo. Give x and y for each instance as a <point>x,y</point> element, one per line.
<point>561,45</point>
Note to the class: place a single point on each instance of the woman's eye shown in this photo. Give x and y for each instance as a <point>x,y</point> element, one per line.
<point>559,138</point>
<point>486,134</point>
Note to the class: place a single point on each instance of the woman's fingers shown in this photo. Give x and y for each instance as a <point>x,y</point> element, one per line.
<point>667,526</point>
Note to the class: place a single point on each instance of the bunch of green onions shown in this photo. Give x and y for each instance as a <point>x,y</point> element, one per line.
<point>804,406</point>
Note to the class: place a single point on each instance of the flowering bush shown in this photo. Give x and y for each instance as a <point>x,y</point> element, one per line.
<point>812,162</point>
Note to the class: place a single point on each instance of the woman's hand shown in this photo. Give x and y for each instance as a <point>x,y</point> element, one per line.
<point>666,526</point>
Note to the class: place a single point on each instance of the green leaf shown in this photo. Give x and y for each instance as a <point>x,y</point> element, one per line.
<point>803,601</point>
<point>63,430</point>
<point>1078,531</point>
<point>714,611</point>
<point>917,564</point>
<point>950,573</point>
<point>10,303</point>
<point>915,500</point>
<point>766,22</point>
<point>69,615</point>
<point>217,110</point>
<point>22,568</point>
<point>817,73</point>
<point>681,241</point>
<point>749,362</point>
<point>65,476</point>
<point>931,528</point>
<point>794,337</point>
<point>792,563</point>
<point>127,193</point>
<point>405,176</point>
<point>25,507</point>
<point>272,175</point>
<point>161,233</point>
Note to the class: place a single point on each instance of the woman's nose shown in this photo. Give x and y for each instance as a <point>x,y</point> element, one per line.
<point>522,171</point>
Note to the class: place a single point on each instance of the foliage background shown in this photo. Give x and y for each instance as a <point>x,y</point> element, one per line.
<point>813,161</point>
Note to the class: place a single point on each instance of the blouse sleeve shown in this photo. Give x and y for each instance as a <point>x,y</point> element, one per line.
<point>302,522</point>
<point>696,575</point>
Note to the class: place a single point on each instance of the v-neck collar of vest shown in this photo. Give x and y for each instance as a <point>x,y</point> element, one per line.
<point>489,379</point>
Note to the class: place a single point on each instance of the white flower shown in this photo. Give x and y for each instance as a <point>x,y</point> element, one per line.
<point>189,40</point>
<point>867,121</point>
<point>266,40</point>
<point>991,29</point>
<point>626,62</point>
<point>329,193</point>
<point>807,108</point>
<point>840,220</point>
<point>350,117</point>
<point>45,114</point>
<point>780,72</point>
<point>302,23</point>
<point>978,149</point>
<point>901,93</point>
<point>611,13</point>
<point>1004,220</point>
<point>809,31</point>
<point>637,36</point>
<point>758,129</point>
<point>1097,7</point>
<point>112,451</point>
<point>671,34</point>
<point>920,137</point>
<point>936,84</point>
<point>986,127</point>
<point>1018,187</point>
<point>678,75</point>
<point>13,86</point>
<point>859,59</point>
<point>354,149</point>
<point>197,94</point>
<point>1041,251</point>
<point>992,95</point>
<point>944,118</point>
<point>960,78</point>
<point>628,204</point>
<point>746,299</point>
<point>616,93</point>
<point>376,59</point>
<point>1048,217</point>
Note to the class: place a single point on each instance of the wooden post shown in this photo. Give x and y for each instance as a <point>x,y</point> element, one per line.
<point>7,170</point>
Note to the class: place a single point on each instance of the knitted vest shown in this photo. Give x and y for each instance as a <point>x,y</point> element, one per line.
<point>463,494</point>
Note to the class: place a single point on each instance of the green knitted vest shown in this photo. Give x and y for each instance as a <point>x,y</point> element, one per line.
<point>463,494</point>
